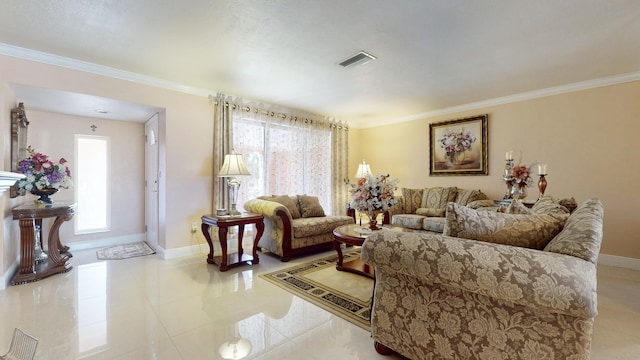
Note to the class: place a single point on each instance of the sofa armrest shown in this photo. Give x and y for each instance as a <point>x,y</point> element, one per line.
<point>547,281</point>
<point>267,208</point>
<point>278,221</point>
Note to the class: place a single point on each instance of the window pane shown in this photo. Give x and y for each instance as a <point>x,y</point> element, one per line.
<point>92,183</point>
<point>283,160</point>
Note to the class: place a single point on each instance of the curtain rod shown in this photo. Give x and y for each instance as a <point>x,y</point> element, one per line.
<point>280,115</point>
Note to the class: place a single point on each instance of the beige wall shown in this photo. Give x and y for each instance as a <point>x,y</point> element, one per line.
<point>588,139</point>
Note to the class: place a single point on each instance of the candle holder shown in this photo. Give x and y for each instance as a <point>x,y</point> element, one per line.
<point>508,178</point>
<point>542,185</point>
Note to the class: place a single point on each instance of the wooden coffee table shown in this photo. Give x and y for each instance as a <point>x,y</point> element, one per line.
<point>347,234</point>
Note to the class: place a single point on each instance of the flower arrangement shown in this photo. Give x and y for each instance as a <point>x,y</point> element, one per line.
<point>520,176</point>
<point>42,173</point>
<point>456,142</point>
<point>373,193</point>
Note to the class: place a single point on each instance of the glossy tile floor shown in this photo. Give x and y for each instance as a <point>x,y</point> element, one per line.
<point>148,308</point>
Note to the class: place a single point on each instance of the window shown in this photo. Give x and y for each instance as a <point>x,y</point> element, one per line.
<point>283,159</point>
<point>92,184</point>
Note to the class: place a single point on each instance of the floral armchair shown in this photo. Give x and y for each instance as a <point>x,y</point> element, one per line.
<point>439,296</point>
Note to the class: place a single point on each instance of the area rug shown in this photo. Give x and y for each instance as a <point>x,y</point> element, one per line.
<point>341,293</point>
<point>125,251</point>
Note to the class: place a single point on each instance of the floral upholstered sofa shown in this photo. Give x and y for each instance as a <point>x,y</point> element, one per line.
<point>295,225</point>
<point>424,209</point>
<point>449,296</point>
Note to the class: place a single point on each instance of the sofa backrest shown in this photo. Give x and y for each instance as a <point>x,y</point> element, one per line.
<point>582,233</point>
<point>298,205</point>
<point>413,199</point>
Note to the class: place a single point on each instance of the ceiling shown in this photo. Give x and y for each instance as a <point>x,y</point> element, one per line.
<point>432,55</point>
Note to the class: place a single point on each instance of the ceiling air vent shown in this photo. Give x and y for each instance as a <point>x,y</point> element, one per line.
<point>360,58</point>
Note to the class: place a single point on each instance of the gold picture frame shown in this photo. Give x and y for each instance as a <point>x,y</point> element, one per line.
<point>459,147</point>
<point>19,127</point>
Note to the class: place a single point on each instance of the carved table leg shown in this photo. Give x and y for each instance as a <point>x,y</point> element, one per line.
<point>27,245</point>
<point>207,235</point>
<point>240,235</point>
<point>260,230</point>
<point>54,245</point>
<point>222,235</point>
<point>338,247</point>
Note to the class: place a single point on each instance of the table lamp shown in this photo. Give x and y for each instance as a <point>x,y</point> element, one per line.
<point>364,170</point>
<point>233,166</point>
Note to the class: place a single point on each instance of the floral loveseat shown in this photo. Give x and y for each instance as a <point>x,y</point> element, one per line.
<point>424,209</point>
<point>295,225</point>
<point>438,296</point>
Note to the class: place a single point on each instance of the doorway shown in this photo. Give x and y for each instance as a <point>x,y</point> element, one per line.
<point>152,180</point>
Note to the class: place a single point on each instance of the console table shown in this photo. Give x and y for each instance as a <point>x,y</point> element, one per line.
<point>30,215</point>
<point>223,223</point>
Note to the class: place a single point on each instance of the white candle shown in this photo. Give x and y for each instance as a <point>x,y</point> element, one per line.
<point>542,169</point>
<point>509,155</point>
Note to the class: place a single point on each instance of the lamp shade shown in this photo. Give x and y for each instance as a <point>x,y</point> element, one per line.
<point>233,166</point>
<point>364,170</point>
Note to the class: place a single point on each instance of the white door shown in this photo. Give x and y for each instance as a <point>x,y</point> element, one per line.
<point>152,177</point>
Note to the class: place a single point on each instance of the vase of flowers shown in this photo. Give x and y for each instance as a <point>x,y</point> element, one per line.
<point>44,177</point>
<point>518,180</point>
<point>373,195</point>
<point>455,143</point>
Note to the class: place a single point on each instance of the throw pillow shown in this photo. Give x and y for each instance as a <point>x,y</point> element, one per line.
<point>531,231</point>
<point>288,202</point>
<point>516,207</point>
<point>548,205</point>
<point>412,200</point>
<point>431,212</point>
<point>468,196</point>
<point>438,197</point>
<point>570,204</point>
<point>310,206</point>
<point>480,204</point>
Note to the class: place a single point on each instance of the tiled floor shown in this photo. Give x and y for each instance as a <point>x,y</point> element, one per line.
<point>148,308</point>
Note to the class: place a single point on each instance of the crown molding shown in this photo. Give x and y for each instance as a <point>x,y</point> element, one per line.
<point>583,85</point>
<point>46,58</point>
<point>69,63</point>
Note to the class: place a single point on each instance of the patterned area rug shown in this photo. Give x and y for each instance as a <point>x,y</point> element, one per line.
<point>342,293</point>
<point>125,251</point>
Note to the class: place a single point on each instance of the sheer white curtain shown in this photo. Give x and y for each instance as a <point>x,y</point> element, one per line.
<point>289,153</point>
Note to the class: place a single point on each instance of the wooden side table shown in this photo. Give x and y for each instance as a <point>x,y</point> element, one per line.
<point>223,223</point>
<point>30,215</point>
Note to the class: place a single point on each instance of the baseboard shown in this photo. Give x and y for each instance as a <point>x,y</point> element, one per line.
<point>100,243</point>
<point>6,278</point>
<point>619,261</point>
<point>200,249</point>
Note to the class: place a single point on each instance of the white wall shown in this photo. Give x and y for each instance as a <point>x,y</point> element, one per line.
<point>186,130</point>
<point>54,135</point>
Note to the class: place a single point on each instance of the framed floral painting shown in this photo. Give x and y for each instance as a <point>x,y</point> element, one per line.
<point>459,147</point>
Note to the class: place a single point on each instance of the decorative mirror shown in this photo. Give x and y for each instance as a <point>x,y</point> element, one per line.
<point>19,126</point>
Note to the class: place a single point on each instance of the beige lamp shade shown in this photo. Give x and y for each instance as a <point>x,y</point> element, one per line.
<point>233,166</point>
<point>364,170</point>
